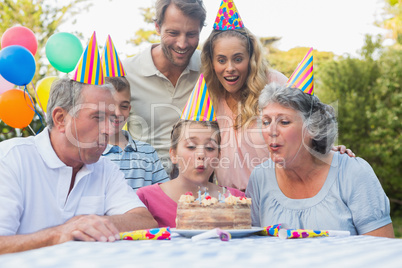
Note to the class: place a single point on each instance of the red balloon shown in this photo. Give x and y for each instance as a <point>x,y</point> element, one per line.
<point>16,108</point>
<point>22,36</point>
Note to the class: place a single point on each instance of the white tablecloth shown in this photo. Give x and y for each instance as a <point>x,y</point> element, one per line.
<point>253,251</point>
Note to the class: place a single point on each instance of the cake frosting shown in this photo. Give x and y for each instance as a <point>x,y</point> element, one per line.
<point>208,212</point>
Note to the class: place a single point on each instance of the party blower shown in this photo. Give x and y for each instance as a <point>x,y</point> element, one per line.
<point>147,234</point>
<point>214,233</point>
<point>305,233</point>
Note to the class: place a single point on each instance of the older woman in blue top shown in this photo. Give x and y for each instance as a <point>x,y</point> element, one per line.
<point>305,184</point>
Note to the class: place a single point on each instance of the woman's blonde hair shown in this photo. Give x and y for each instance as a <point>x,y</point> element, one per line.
<point>257,73</point>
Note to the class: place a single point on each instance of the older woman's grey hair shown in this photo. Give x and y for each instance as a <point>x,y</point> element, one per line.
<point>318,118</point>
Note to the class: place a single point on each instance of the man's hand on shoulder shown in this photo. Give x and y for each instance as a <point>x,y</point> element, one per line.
<point>342,149</point>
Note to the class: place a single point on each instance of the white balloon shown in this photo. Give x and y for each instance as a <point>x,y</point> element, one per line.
<point>5,85</point>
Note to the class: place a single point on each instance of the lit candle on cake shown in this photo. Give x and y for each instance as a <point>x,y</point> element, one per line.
<point>199,194</point>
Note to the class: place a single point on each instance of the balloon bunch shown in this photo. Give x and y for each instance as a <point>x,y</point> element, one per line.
<point>18,66</point>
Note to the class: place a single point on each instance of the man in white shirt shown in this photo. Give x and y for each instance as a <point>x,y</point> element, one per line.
<point>163,76</point>
<point>55,187</point>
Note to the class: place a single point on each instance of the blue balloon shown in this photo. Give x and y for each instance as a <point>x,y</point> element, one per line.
<point>17,65</point>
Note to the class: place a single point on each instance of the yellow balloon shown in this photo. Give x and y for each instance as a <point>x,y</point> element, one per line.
<point>43,90</point>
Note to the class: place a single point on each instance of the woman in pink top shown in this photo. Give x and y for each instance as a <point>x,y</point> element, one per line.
<point>236,71</point>
<point>195,151</point>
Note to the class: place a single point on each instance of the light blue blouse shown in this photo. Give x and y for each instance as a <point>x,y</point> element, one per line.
<point>351,199</point>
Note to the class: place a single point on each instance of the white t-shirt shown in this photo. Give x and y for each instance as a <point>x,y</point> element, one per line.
<point>34,186</point>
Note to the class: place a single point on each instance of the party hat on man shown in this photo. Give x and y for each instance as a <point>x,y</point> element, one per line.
<point>228,17</point>
<point>111,63</point>
<point>89,69</point>
<point>199,105</point>
<point>303,76</point>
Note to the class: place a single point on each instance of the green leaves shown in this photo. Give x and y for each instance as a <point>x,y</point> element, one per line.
<point>43,18</point>
<point>369,96</point>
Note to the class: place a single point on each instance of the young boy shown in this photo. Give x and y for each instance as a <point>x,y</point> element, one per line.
<point>137,160</point>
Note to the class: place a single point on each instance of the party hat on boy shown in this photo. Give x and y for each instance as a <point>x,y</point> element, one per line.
<point>199,105</point>
<point>228,17</point>
<point>303,76</point>
<point>89,69</point>
<point>111,63</point>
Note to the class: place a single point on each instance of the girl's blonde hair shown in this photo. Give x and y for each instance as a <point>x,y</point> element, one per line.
<point>257,73</point>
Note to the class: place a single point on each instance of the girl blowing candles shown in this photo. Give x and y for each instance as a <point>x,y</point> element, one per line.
<point>195,152</point>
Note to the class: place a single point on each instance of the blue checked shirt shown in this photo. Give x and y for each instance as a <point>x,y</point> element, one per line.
<point>138,161</point>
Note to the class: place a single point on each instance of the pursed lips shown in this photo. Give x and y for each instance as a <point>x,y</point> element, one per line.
<point>200,168</point>
<point>274,146</point>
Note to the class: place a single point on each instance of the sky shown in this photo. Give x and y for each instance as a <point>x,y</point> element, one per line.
<point>338,26</point>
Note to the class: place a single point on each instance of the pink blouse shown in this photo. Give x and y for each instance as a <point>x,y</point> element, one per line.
<point>241,149</point>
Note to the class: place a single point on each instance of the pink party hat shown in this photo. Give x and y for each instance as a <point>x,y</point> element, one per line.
<point>228,17</point>
<point>303,76</point>
<point>89,69</point>
<point>199,105</point>
<point>111,63</point>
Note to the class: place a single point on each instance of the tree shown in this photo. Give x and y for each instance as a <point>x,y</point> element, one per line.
<point>43,17</point>
<point>394,23</point>
<point>287,61</point>
<point>368,91</point>
<point>385,149</point>
<point>143,35</point>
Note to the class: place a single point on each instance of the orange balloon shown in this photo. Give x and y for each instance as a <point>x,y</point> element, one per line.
<point>16,108</point>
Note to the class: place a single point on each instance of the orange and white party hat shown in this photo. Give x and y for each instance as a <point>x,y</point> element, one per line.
<point>303,77</point>
<point>111,63</point>
<point>89,69</point>
<point>228,17</point>
<point>199,106</point>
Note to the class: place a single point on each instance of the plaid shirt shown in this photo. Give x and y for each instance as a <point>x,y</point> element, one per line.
<point>138,161</point>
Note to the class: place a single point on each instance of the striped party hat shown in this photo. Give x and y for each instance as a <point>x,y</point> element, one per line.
<point>199,105</point>
<point>111,63</point>
<point>228,17</point>
<point>89,69</point>
<point>303,76</point>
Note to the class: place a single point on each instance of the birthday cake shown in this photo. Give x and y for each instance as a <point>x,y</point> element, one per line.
<point>208,212</point>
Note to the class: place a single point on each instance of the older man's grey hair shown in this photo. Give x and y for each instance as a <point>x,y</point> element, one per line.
<point>319,118</point>
<point>66,93</point>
